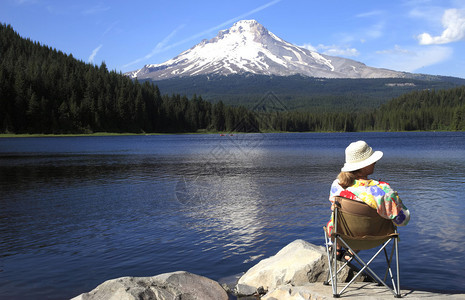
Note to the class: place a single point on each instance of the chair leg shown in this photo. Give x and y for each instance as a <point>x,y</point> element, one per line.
<point>336,240</point>
<point>388,267</point>
<point>332,263</point>
<point>334,275</point>
<point>396,244</point>
<point>395,283</point>
<point>328,255</point>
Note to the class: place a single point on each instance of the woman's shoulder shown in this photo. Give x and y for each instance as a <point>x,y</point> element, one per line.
<point>368,183</point>
<point>384,185</point>
<point>380,183</point>
<point>335,186</point>
<point>335,182</point>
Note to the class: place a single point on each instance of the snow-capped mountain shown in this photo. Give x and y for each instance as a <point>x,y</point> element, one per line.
<point>248,47</point>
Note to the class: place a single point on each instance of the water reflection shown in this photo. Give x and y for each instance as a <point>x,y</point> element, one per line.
<point>224,196</point>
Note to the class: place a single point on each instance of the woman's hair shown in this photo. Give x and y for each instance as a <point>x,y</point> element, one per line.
<point>347,179</point>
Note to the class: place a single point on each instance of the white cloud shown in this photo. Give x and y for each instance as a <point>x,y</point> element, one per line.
<point>161,46</point>
<point>94,53</point>
<point>110,28</point>
<point>370,14</point>
<point>375,31</point>
<point>412,59</point>
<point>453,22</point>
<point>426,12</point>
<point>333,50</point>
<point>309,47</point>
<point>95,10</point>
<point>21,2</point>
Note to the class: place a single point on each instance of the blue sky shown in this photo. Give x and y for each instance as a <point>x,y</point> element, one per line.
<point>419,36</point>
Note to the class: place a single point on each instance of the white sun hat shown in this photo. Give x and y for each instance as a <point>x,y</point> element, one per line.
<point>360,155</point>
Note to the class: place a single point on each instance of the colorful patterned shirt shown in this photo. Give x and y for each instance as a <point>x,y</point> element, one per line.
<point>378,195</point>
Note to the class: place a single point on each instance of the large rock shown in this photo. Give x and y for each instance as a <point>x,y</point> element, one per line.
<point>297,264</point>
<point>169,286</point>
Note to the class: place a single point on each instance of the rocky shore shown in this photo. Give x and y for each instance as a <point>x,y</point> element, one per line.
<point>296,272</point>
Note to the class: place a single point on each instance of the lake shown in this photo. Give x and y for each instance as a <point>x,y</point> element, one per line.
<point>76,211</point>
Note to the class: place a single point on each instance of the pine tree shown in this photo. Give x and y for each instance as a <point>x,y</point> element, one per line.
<point>218,117</point>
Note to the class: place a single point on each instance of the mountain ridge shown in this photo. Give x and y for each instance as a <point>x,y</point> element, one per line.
<point>248,47</point>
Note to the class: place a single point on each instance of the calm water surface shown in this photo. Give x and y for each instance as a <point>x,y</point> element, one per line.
<point>76,211</point>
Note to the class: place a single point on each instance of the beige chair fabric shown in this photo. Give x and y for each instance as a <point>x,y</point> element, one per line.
<point>361,226</point>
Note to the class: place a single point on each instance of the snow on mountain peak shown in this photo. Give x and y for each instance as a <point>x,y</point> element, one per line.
<point>245,25</point>
<point>248,47</point>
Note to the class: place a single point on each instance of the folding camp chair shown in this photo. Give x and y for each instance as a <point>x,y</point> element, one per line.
<point>357,226</point>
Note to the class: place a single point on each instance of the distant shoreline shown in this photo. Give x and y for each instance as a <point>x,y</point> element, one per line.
<point>100,134</point>
<point>96,134</point>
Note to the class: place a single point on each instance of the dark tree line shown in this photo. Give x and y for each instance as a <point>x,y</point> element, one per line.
<point>419,110</point>
<point>424,110</point>
<point>43,90</point>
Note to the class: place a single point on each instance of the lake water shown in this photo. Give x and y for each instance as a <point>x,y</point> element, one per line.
<point>76,211</point>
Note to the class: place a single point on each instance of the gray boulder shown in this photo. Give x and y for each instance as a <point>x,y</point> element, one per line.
<point>296,264</point>
<point>168,286</point>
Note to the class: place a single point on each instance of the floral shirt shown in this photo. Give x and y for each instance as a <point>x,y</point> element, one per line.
<point>378,195</point>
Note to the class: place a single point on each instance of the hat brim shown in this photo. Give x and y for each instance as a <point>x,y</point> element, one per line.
<point>349,167</point>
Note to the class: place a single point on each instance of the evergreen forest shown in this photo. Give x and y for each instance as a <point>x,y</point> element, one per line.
<point>43,90</point>
<point>302,92</point>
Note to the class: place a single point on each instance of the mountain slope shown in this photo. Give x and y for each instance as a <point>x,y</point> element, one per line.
<point>248,47</point>
<point>301,92</point>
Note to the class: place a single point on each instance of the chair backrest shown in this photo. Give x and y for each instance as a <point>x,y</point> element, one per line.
<point>360,225</point>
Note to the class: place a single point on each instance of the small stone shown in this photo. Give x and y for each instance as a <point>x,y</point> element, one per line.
<point>245,290</point>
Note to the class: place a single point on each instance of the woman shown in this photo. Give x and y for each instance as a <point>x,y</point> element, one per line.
<point>353,183</point>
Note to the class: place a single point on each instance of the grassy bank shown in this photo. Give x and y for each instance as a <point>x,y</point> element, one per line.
<point>12,135</point>
<point>97,134</point>
<point>22,135</point>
